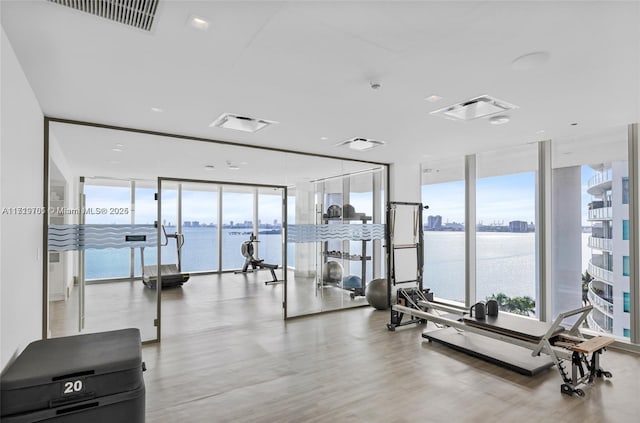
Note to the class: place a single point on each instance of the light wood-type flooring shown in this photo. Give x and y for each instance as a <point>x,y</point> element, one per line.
<point>227,356</point>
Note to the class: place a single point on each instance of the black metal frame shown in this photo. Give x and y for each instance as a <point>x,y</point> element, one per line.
<point>408,295</point>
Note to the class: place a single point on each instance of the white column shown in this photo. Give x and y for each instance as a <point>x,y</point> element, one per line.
<point>470,229</point>
<point>543,232</point>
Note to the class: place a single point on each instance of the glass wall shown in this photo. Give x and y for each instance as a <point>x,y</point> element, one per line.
<point>102,195</point>
<point>200,228</point>
<point>443,190</point>
<point>506,228</point>
<point>269,234</point>
<point>590,243</point>
<point>145,213</point>
<point>237,224</point>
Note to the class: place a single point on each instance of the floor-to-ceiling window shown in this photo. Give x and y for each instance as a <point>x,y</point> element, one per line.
<point>506,228</point>
<point>269,234</point>
<point>199,227</point>
<point>590,179</point>
<point>237,224</point>
<point>443,191</point>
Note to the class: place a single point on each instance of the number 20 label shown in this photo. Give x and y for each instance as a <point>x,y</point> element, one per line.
<point>72,387</point>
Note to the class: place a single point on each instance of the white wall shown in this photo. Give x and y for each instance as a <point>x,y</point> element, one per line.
<point>21,170</point>
<point>405,182</point>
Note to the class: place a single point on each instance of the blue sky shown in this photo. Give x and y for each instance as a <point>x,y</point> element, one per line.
<point>499,198</point>
<point>197,205</point>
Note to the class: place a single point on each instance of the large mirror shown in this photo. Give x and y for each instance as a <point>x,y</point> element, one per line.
<point>206,222</point>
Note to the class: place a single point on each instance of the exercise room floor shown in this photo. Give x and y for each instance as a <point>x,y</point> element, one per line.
<point>231,358</point>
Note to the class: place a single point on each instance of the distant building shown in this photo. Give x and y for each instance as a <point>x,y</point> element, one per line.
<point>434,222</point>
<point>518,226</point>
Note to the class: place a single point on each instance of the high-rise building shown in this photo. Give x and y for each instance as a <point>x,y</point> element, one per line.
<point>518,226</point>
<point>608,213</point>
<point>434,222</point>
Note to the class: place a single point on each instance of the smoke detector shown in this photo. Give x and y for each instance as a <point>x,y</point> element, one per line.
<point>474,108</point>
<point>360,144</point>
<point>240,123</point>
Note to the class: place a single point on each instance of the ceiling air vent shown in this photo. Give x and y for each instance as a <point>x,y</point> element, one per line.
<point>360,144</point>
<point>240,123</point>
<point>138,14</point>
<point>475,108</point>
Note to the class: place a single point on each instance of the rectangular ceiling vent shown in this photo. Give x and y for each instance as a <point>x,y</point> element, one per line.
<point>138,14</point>
<point>360,144</point>
<point>475,108</point>
<point>240,123</point>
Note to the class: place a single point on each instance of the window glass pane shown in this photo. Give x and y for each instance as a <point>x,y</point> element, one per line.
<point>237,224</point>
<point>625,230</point>
<point>146,213</point>
<point>109,262</point>
<point>588,209</point>
<point>626,333</point>
<point>625,266</point>
<point>443,190</point>
<point>506,230</point>
<point>269,248</point>
<point>200,228</point>
<point>625,190</point>
<point>626,305</point>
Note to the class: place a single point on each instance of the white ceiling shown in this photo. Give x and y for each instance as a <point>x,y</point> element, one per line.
<point>309,65</point>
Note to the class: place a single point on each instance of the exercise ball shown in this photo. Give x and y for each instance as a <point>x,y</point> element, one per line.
<point>332,272</point>
<point>377,294</point>
<point>352,282</point>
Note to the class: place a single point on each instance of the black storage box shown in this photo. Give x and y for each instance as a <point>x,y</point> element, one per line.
<point>94,378</point>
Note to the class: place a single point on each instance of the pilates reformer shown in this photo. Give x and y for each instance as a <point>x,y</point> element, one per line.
<point>504,339</point>
<point>561,345</point>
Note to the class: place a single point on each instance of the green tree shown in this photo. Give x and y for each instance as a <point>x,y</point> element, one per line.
<point>518,305</point>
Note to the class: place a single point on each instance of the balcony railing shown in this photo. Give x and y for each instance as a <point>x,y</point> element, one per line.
<point>593,325</point>
<point>600,178</point>
<point>598,300</point>
<point>600,273</point>
<point>600,243</point>
<point>603,213</point>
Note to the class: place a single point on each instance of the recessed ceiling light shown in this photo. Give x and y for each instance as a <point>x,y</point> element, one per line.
<point>433,98</point>
<point>231,166</point>
<point>324,138</point>
<point>499,120</point>
<point>360,144</point>
<point>198,23</point>
<point>156,109</point>
<point>530,60</point>
<point>119,145</point>
<point>117,150</point>
<point>240,123</point>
